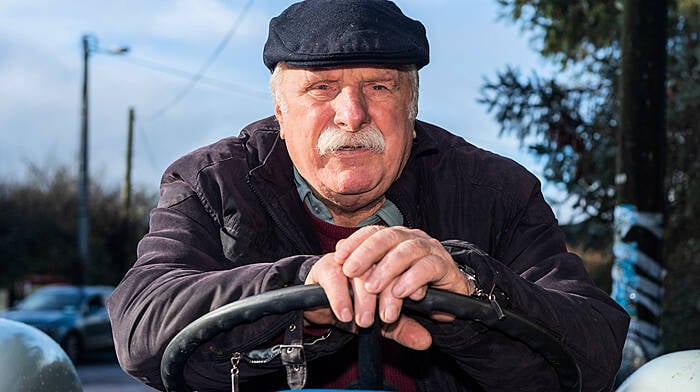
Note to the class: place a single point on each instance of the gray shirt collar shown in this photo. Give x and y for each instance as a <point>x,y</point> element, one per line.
<point>388,212</point>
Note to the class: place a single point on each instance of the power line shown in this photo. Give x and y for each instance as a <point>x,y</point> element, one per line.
<point>215,54</point>
<point>222,84</point>
<point>147,147</point>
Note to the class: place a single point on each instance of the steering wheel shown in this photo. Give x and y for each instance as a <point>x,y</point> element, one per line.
<point>288,299</point>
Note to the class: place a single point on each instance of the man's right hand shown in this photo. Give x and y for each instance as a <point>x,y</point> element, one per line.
<point>328,273</point>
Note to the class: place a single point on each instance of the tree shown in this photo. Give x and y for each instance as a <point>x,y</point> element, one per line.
<point>570,121</point>
<point>38,228</point>
<point>570,117</point>
<point>641,140</point>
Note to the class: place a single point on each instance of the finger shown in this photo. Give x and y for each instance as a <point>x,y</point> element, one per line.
<point>365,304</point>
<point>408,332</point>
<point>396,262</point>
<point>336,258</point>
<point>442,317</point>
<point>319,316</point>
<point>389,306</point>
<point>339,298</point>
<point>346,246</point>
<point>374,247</point>
<point>335,285</point>
<point>428,270</point>
<point>419,294</point>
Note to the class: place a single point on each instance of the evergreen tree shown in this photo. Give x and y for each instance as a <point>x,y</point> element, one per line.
<point>570,120</point>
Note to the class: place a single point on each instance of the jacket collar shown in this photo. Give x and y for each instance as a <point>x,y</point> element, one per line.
<point>272,174</point>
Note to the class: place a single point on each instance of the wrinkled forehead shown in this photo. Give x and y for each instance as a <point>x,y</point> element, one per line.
<point>365,71</point>
<point>298,80</point>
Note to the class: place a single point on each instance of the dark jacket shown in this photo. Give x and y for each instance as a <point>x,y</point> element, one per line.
<point>230,224</point>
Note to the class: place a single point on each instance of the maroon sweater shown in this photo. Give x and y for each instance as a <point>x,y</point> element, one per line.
<point>328,236</point>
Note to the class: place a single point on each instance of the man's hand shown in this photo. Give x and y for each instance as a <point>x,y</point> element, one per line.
<point>392,263</point>
<point>328,273</point>
<point>396,263</point>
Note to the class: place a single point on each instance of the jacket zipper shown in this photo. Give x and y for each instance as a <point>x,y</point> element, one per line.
<point>272,332</point>
<point>275,353</point>
<point>271,214</point>
<point>399,201</point>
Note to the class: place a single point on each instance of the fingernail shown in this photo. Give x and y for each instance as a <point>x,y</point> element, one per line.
<point>340,252</point>
<point>391,313</point>
<point>366,319</point>
<point>346,315</point>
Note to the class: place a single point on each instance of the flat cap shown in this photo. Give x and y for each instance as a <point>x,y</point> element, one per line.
<point>327,33</point>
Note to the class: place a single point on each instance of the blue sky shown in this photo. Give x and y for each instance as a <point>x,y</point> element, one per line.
<point>41,76</point>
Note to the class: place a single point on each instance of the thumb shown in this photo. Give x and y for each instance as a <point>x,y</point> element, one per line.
<point>408,332</point>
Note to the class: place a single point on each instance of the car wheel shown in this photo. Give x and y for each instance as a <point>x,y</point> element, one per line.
<point>72,345</point>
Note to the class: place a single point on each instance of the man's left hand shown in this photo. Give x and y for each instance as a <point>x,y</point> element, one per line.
<point>396,263</point>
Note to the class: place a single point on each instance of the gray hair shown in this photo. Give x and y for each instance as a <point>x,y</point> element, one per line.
<point>410,70</point>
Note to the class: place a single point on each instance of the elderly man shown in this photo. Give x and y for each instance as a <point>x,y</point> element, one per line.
<point>345,188</point>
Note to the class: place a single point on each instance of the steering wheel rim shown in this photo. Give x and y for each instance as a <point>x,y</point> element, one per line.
<point>288,299</point>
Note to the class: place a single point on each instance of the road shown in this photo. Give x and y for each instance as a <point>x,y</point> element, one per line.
<point>101,373</point>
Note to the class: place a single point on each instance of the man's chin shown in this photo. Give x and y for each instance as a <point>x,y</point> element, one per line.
<point>356,200</point>
<point>353,188</point>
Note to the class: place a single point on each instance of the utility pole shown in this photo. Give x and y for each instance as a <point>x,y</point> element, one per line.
<point>126,189</point>
<point>126,196</point>
<point>89,46</point>
<point>637,269</point>
<point>83,180</point>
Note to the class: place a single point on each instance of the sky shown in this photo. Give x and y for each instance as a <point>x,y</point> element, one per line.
<point>194,74</point>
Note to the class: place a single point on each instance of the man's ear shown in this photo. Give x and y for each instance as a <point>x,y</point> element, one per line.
<point>280,118</point>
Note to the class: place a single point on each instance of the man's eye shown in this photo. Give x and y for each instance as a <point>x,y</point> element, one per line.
<point>379,87</point>
<point>322,87</point>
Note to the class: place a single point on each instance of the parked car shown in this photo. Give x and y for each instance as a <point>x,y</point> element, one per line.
<point>74,316</point>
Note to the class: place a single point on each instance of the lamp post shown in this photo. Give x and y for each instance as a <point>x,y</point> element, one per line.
<point>89,46</point>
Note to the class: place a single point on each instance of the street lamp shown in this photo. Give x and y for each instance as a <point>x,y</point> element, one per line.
<point>90,45</point>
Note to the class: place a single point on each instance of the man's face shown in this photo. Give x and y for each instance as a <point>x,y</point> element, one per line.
<point>356,109</point>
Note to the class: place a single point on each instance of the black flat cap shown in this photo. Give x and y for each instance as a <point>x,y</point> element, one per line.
<point>326,33</point>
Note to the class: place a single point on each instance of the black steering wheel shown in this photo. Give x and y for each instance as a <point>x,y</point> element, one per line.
<point>289,299</point>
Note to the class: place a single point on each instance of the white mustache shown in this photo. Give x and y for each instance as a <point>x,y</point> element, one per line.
<point>333,139</point>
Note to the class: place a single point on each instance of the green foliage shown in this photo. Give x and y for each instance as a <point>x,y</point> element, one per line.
<point>38,228</point>
<point>567,30</point>
<point>570,120</point>
<point>571,129</point>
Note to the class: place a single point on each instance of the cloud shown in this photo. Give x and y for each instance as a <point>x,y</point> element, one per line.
<point>41,71</point>
<point>196,21</point>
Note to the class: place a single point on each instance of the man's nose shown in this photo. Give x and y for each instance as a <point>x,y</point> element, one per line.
<point>351,111</point>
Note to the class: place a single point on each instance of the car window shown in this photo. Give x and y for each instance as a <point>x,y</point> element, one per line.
<point>44,300</point>
<point>95,302</point>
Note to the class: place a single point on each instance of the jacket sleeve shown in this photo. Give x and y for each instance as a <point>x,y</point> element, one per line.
<point>180,275</point>
<point>541,281</point>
